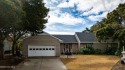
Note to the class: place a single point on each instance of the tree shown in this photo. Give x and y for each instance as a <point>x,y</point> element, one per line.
<point>35,16</point>
<point>87,30</point>
<point>16,19</point>
<point>9,17</point>
<point>112,26</point>
<point>96,26</point>
<point>17,29</point>
<point>32,22</point>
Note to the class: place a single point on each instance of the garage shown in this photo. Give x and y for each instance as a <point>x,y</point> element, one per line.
<point>41,51</point>
<point>41,45</point>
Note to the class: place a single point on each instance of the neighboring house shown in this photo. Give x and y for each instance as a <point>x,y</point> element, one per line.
<point>53,45</point>
<point>7,44</point>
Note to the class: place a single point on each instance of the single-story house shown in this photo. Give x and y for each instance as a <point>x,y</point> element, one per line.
<point>53,45</point>
<point>7,43</point>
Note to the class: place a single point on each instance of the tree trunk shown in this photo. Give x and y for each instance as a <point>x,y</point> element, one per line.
<point>13,47</point>
<point>1,51</point>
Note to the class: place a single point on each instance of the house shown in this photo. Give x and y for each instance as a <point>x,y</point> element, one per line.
<point>7,43</point>
<point>53,45</point>
<point>69,43</point>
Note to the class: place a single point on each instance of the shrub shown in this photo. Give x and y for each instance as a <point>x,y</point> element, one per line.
<point>110,50</point>
<point>80,51</point>
<point>87,50</point>
<point>98,51</point>
<point>77,52</point>
<point>118,52</point>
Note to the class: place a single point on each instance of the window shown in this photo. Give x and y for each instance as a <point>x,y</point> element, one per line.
<point>36,48</point>
<point>66,45</point>
<point>53,49</point>
<point>46,48</point>
<point>89,45</point>
<point>40,48</point>
<point>30,48</point>
<point>33,48</point>
<point>43,48</point>
<point>49,48</point>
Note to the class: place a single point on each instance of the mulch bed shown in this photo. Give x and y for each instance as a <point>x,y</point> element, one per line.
<point>10,61</point>
<point>119,66</point>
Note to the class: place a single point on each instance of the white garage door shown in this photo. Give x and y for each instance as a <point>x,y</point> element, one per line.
<point>41,50</point>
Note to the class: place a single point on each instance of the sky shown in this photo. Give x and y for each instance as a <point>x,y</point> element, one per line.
<point>70,16</point>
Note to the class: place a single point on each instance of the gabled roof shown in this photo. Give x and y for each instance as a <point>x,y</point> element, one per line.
<point>67,38</point>
<point>86,37</point>
<point>45,33</point>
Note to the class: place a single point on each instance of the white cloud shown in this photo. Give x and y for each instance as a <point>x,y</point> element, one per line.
<point>52,4</point>
<point>65,5</point>
<point>63,18</point>
<point>87,7</point>
<point>97,17</point>
<point>96,5</point>
<point>100,5</point>
<point>60,33</point>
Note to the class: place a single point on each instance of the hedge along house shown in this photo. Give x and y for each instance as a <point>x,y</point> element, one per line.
<point>53,45</point>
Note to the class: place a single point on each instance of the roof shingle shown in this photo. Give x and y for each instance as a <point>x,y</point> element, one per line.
<point>86,37</point>
<point>67,38</point>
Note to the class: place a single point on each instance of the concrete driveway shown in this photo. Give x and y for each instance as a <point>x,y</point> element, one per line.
<point>42,64</point>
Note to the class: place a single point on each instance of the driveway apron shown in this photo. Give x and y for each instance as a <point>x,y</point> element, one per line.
<point>42,64</point>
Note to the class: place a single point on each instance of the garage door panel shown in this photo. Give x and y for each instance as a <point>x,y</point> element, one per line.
<point>31,52</point>
<point>48,53</point>
<point>41,51</point>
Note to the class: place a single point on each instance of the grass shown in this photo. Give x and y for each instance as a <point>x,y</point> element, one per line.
<point>90,62</point>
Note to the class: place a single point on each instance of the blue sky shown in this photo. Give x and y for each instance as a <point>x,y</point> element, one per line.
<point>70,16</point>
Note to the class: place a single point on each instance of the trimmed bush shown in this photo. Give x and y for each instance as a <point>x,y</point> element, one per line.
<point>110,50</point>
<point>98,51</point>
<point>87,50</point>
<point>118,52</point>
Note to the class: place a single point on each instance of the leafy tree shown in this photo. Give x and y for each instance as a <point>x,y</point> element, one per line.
<point>108,26</point>
<point>17,29</point>
<point>32,22</point>
<point>35,16</point>
<point>112,26</point>
<point>95,27</point>
<point>8,17</point>
<point>17,19</point>
<point>121,11</point>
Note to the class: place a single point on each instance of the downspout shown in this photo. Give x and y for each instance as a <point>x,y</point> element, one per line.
<point>78,41</point>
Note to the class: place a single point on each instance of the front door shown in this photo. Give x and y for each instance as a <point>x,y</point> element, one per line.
<point>67,48</point>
